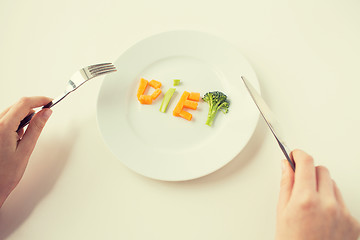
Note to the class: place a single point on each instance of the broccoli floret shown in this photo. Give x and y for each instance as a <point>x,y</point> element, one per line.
<point>217,101</point>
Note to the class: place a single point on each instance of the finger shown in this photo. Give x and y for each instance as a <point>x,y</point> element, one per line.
<point>338,195</point>
<point>21,109</point>
<point>32,133</point>
<point>324,182</point>
<point>2,114</point>
<point>286,184</point>
<point>305,176</point>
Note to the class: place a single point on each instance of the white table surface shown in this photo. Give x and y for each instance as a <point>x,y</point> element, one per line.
<point>306,55</point>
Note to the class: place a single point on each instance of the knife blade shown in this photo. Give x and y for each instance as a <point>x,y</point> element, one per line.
<point>270,120</point>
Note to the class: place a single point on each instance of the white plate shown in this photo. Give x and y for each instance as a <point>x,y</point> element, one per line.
<point>159,145</point>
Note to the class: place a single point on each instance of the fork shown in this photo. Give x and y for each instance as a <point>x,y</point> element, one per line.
<point>77,79</point>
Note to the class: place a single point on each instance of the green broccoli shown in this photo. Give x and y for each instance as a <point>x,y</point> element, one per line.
<point>217,101</point>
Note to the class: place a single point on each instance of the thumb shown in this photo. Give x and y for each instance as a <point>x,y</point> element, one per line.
<point>286,184</point>
<point>37,123</point>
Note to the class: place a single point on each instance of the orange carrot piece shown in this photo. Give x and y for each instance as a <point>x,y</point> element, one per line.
<point>145,99</point>
<point>194,96</point>
<point>155,84</point>
<point>180,104</point>
<point>190,104</point>
<point>156,93</point>
<point>142,87</point>
<point>185,115</point>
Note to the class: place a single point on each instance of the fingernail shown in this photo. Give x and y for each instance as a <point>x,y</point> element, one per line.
<point>47,113</point>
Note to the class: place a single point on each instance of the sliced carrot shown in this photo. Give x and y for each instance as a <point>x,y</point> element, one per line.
<point>190,104</point>
<point>185,115</point>
<point>155,84</point>
<point>194,96</point>
<point>145,99</point>
<point>142,87</point>
<point>180,104</point>
<point>156,93</point>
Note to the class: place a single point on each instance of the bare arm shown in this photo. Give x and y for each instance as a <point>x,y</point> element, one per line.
<point>16,147</point>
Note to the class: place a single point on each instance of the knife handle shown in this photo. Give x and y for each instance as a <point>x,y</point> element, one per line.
<point>288,154</point>
<point>291,161</point>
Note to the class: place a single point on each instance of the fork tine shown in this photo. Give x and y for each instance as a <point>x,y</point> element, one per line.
<point>99,69</point>
<point>98,65</point>
<point>104,72</point>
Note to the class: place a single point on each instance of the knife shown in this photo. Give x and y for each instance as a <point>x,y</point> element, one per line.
<point>270,119</point>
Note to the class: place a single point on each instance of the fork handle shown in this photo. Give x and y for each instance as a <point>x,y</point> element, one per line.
<point>25,121</point>
<point>28,118</point>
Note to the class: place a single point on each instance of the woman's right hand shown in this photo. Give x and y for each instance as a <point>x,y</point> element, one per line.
<point>310,204</point>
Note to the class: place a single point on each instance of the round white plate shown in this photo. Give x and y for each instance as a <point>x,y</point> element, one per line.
<point>159,145</point>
